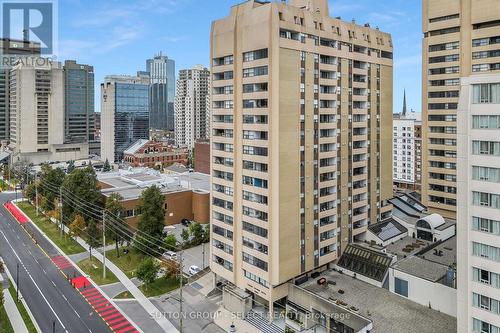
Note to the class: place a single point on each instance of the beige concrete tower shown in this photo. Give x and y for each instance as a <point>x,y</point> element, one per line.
<point>461,38</point>
<point>301,141</point>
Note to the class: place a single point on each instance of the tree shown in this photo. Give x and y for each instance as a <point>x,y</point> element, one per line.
<point>93,236</point>
<point>106,167</point>
<point>77,227</point>
<point>50,182</point>
<point>151,221</point>
<point>196,231</point>
<point>2,298</point>
<point>148,270</point>
<point>6,171</point>
<point>206,233</point>
<point>170,242</point>
<point>116,227</point>
<point>185,235</point>
<point>71,166</point>
<point>30,192</point>
<point>172,267</point>
<point>55,213</point>
<point>83,194</point>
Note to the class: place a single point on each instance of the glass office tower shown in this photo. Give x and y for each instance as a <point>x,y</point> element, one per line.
<point>161,72</point>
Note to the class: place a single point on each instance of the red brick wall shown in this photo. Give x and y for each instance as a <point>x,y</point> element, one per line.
<point>202,157</point>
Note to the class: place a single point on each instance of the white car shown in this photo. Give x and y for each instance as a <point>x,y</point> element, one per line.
<point>194,269</point>
<point>170,255</point>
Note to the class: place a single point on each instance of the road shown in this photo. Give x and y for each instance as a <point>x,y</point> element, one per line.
<point>48,294</point>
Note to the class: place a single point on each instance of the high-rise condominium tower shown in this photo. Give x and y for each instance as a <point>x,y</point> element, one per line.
<point>161,71</point>
<point>301,140</point>
<point>10,48</point>
<point>459,40</point>
<point>37,113</point>
<point>191,108</point>
<point>79,102</point>
<point>124,114</point>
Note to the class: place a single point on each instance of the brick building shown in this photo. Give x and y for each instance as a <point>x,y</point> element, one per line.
<point>148,153</point>
<point>202,156</point>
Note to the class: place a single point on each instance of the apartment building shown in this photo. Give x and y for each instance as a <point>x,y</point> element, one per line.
<point>9,50</point>
<point>407,149</point>
<point>478,127</point>
<point>460,39</point>
<point>191,106</point>
<point>78,102</point>
<point>37,97</point>
<point>124,114</point>
<point>301,158</point>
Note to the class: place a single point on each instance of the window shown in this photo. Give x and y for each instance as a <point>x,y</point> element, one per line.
<point>444,46</point>
<point>485,225</point>
<point>486,148</point>
<point>254,87</point>
<point>486,303</point>
<point>479,326</point>
<point>486,199</point>
<point>255,278</point>
<point>444,18</point>
<point>486,277</point>
<point>486,174</point>
<point>401,287</point>
<point>254,103</point>
<point>447,58</point>
<point>255,71</point>
<point>255,55</point>
<point>254,261</point>
<point>486,251</point>
<point>485,41</point>
<point>487,93</point>
<point>486,122</point>
<point>255,229</point>
<point>444,31</point>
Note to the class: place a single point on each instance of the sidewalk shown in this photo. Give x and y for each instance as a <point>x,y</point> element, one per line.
<point>15,318</point>
<point>149,307</point>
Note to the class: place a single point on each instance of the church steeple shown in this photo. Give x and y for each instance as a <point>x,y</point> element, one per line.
<point>404,103</point>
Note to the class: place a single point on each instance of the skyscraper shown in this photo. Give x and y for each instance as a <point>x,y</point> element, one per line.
<point>459,40</point>
<point>78,102</point>
<point>124,114</point>
<point>478,212</point>
<point>37,113</point>
<point>301,148</point>
<point>10,48</point>
<point>161,72</point>
<point>191,108</point>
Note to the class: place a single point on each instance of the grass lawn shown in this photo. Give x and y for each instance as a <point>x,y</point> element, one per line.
<point>66,243</point>
<point>22,310</point>
<point>5,326</point>
<point>94,269</point>
<point>158,287</point>
<point>128,263</point>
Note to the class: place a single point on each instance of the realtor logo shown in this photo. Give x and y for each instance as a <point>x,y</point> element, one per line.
<point>33,21</point>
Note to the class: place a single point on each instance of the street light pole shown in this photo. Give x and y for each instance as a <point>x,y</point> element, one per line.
<point>17,283</point>
<point>61,210</point>
<point>104,244</point>
<point>180,292</point>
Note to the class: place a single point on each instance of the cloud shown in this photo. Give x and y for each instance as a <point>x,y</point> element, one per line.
<point>408,61</point>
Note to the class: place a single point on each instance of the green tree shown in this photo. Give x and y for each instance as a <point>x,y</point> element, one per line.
<point>30,192</point>
<point>83,195</point>
<point>196,231</point>
<point>170,242</point>
<point>106,167</point>
<point>71,166</point>
<point>77,227</point>
<point>93,236</point>
<point>185,235</point>
<point>116,227</point>
<point>2,298</point>
<point>50,182</point>
<point>206,233</point>
<point>148,270</point>
<point>151,221</point>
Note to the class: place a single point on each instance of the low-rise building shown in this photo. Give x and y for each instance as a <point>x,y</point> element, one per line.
<point>154,154</point>
<point>186,195</point>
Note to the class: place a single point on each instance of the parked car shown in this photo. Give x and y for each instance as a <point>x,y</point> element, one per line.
<point>194,269</point>
<point>185,222</point>
<point>170,255</point>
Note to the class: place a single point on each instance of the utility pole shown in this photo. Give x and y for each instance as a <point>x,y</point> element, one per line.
<point>53,326</point>
<point>36,196</point>
<point>104,244</point>
<point>203,256</point>
<point>61,210</point>
<point>17,283</point>
<point>180,292</point>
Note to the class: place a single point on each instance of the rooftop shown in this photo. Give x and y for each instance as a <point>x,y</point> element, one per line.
<point>389,312</point>
<point>387,229</point>
<point>131,183</point>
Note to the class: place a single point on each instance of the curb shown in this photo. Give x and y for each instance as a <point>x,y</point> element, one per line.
<point>79,270</point>
<point>11,280</point>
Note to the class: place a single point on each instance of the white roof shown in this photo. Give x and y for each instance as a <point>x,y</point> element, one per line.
<point>434,220</point>
<point>135,146</point>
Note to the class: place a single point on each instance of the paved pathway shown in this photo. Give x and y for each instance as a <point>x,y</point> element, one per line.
<point>15,318</point>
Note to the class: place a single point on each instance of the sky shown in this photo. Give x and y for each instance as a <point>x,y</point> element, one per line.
<point>117,36</point>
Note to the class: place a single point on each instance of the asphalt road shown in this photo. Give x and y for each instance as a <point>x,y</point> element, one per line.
<point>48,294</point>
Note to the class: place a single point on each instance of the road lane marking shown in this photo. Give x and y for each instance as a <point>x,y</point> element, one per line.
<point>32,280</point>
